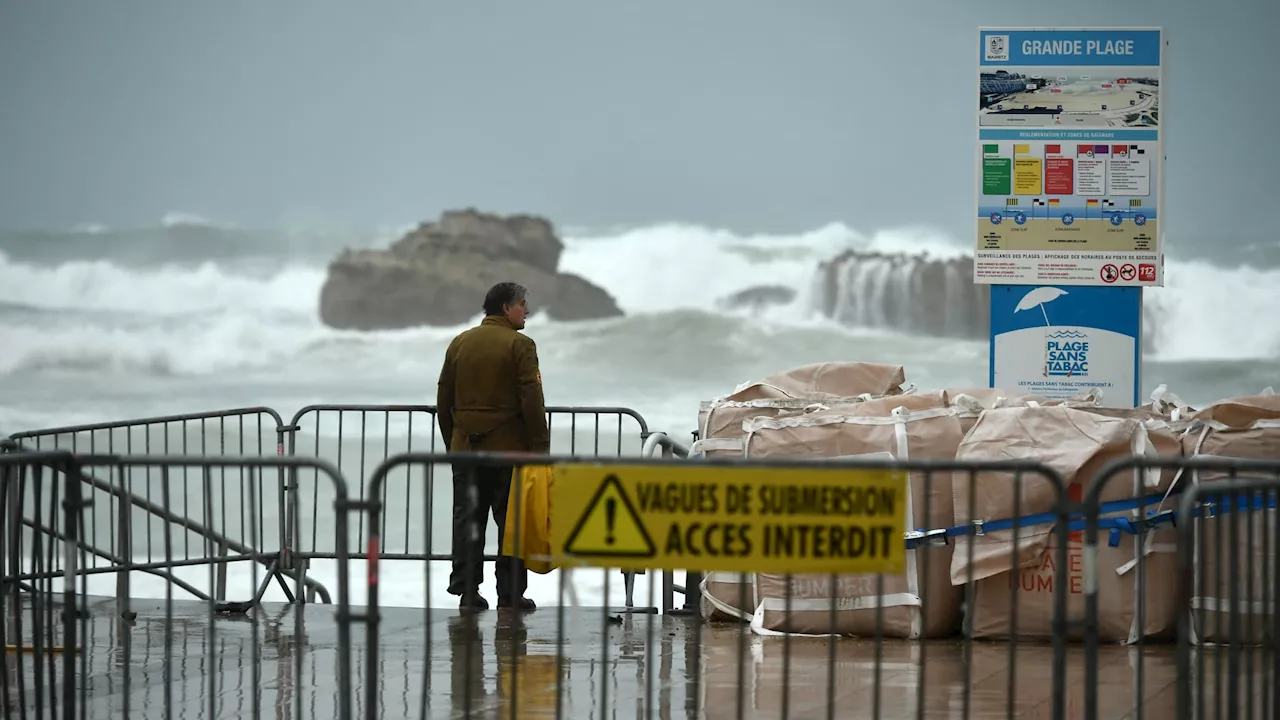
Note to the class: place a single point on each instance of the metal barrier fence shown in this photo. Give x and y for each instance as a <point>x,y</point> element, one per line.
<point>127,523</point>
<point>1025,606</point>
<point>359,438</point>
<point>1245,681</point>
<point>1213,537</point>
<point>134,658</point>
<point>36,638</point>
<point>1014,595</point>
<point>665,666</point>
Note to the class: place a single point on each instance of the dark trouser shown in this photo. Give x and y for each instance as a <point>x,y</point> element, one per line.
<point>477,490</point>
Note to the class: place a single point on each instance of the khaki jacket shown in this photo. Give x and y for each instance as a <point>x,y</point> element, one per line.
<point>489,395</point>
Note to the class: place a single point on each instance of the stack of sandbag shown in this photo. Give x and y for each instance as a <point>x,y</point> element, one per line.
<point>805,387</point>
<point>1076,443</point>
<point>808,388</point>
<point>990,398</point>
<point>1243,427</point>
<point>1165,418</point>
<point>1169,405</point>
<point>984,399</point>
<point>919,603</point>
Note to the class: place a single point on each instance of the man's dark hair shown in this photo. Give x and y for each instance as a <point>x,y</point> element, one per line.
<point>504,293</point>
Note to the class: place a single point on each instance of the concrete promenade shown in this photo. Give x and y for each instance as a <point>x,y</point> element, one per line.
<point>502,664</point>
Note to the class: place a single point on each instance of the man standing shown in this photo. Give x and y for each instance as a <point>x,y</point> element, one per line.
<point>490,399</point>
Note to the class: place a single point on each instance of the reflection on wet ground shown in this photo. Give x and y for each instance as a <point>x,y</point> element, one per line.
<point>504,664</point>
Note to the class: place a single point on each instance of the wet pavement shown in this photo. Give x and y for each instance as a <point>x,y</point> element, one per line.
<point>505,664</point>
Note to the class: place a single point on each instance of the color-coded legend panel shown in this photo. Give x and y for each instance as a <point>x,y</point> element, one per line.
<point>1026,171</point>
<point>1058,178</point>
<point>1091,169</point>
<point>1054,196</point>
<point>997,172</point>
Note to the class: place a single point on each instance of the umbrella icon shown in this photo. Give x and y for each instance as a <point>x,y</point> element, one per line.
<point>1040,296</point>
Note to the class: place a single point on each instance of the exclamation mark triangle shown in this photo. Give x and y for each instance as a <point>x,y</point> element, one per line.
<point>610,526</point>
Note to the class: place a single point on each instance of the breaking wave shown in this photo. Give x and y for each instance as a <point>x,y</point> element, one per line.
<point>64,309</point>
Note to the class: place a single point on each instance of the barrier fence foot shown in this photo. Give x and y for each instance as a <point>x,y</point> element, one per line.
<point>629,584</point>
<point>649,610</point>
<point>692,591</point>
<point>242,607</point>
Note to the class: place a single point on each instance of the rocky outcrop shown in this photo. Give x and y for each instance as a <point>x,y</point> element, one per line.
<point>907,293</point>
<point>922,295</point>
<point>438,274</point>
<point>757,298</point>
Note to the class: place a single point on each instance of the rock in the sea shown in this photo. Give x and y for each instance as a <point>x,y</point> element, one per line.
<point>923,295</point>
<point>575,298</point>
<point>906,293</point>
<point>438,274</point>
<point>757,297</point>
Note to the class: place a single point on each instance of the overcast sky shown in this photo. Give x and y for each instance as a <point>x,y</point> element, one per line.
<point>747,114</point>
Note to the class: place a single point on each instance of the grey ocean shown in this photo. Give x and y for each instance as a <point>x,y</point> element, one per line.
<point>105,324</point>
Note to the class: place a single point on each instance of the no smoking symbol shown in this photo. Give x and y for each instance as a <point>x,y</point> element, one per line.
<point>1128,272</point>
<point>1109,273</point>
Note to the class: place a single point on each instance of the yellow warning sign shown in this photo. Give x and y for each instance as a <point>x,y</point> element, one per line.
<point>732,519</point>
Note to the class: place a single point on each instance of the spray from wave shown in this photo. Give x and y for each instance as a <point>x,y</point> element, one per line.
<point>229,314</point>
<point>101,286</point>
<point>1206,311</point>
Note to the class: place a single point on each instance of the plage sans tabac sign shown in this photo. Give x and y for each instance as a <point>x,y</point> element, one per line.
<point>731,519</point>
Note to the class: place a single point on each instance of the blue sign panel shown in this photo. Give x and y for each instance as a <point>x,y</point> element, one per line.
<point>1060,342</point>
<point>1121,47</point>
